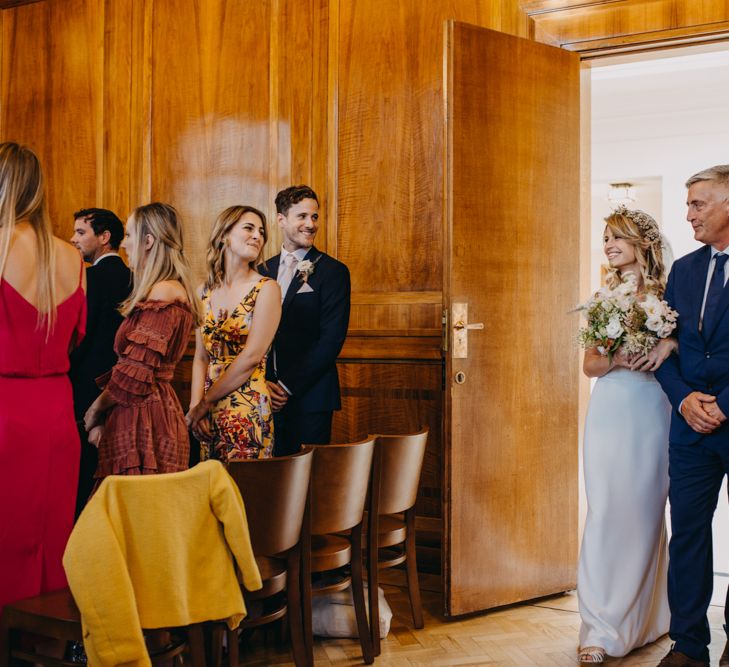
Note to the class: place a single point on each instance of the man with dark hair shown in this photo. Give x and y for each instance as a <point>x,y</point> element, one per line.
<point>315,288</point>
<point>97,234</point>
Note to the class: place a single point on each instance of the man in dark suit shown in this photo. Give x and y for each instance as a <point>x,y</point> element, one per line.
<point>97,234</point>
<point>696,382</point>
<point>315,288</point>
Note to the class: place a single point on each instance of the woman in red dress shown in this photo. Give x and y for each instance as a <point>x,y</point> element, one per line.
<point>42,316</point>
<point>137,420</point>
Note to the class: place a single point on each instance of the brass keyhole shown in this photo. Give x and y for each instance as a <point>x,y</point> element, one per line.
<point>460,377</point>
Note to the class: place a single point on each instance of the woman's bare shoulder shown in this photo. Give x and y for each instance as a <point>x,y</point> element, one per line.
<point>168,290</point>
<point>66,253</point>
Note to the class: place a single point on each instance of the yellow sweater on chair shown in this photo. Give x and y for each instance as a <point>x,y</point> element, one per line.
<point>156,551</point>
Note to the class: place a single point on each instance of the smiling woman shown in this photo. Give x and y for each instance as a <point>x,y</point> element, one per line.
<point>230,406</point>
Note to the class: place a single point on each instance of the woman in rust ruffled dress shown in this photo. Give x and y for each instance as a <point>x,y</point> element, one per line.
<point>137,421</point>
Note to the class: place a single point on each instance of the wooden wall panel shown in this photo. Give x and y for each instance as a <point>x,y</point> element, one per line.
<point>391,137</point>
<point>52,83</point>
<point>240,112</point>
<point>381,397</point>
<point>210,110</point>
<point>584,25</point>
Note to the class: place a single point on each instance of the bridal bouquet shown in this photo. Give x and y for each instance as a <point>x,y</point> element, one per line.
<point>616,317</point>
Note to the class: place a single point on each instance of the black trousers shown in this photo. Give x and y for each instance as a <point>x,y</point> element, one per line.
<point>292,427</point>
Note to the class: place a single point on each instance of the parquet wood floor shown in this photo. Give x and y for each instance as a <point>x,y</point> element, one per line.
<point>541,633</point>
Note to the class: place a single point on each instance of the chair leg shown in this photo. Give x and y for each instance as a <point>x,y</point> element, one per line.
<point>360,610</point>
<point>411,565</point>
<point>233,657</point>
<point>306,594</point>
<point>293,607</point>
<point>217,633</point>
<point>197,645</point>
<point>373,579</point>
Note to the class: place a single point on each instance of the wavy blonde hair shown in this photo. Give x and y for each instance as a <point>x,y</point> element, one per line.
<point>217,245</point>
<point>163,261</point>
<point>22,197</point>
<point>648,252</point>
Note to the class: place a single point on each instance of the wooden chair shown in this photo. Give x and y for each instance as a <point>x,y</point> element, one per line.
<point>133,578</point>
<point>396,468</point>
<point>275,493</point>
<point>55,616</point>
<point>339,483</point>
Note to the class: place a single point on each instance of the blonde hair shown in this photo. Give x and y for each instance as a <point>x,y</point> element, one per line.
<point>164,260</point>
<point>217,245</point>
<point>641,231</point>
<point>22,197</point>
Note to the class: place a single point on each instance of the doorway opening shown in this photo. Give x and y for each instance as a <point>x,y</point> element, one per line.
<point>656,119</point>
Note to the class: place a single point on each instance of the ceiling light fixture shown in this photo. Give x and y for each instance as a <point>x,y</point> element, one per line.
<point>620,194</point>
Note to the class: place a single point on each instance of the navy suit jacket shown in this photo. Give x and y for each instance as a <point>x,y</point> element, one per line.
<point>702,362</point>
<point>311,332</point>
<point>108,283</point>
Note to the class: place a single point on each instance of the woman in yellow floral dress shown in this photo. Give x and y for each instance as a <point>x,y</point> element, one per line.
<point>230,407</point>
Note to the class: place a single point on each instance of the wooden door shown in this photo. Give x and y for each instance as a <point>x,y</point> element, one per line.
<point>511,258</point>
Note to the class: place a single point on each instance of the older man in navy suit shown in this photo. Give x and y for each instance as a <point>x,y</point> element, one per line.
<point>696,382</point>
<point>315,288</point>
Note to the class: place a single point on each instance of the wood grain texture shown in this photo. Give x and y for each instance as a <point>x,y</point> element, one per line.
<point>210,111</point>
<point>395,398</point>
<point>585,27</point>
<point>390,134</point>
<point>541,634</point>
<point>52,83</point>
<point>513,256</point>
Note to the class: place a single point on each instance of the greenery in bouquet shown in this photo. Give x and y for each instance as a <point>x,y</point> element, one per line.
<point>620,317</point>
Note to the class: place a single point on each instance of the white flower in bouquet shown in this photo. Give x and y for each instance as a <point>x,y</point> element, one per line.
<point>613,328</point>
<point>621,317</point>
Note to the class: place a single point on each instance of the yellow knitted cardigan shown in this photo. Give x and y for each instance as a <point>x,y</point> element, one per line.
<point>154,551</point>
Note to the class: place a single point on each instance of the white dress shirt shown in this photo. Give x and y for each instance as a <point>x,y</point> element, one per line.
<point>299,254</point>
<point>104,256</point>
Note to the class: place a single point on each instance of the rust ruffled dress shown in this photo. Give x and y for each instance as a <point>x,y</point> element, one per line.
<point>145,433</point>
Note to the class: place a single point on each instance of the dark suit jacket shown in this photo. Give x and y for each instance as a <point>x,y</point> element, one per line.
<point>702,363</point>
<point>107,285</point>
<point>311,333</point>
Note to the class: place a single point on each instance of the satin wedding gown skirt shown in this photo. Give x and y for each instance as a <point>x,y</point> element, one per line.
<point>621,580</point>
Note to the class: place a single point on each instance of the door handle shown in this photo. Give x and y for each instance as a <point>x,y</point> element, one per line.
<point>458,326</point>
<point>461,327</point>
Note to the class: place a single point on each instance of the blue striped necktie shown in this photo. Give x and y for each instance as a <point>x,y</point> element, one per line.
<point>716,289</point>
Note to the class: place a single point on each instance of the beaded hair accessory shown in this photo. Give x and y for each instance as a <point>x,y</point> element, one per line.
<point>646,224</point>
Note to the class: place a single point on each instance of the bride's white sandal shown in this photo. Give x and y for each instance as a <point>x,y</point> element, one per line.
<point>590,655</point>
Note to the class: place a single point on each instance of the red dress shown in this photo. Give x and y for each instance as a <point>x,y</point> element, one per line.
<point>39,443</point>
<point>145,432</point>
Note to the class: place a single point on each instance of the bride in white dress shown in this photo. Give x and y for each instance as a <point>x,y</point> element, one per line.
<point>621,580</point>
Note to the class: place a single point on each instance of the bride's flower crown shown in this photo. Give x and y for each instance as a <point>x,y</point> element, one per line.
<point>646,224</point>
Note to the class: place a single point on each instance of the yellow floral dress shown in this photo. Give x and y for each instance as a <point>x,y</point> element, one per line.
<point>242,421</point>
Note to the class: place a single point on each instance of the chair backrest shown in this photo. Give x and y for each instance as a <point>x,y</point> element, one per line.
<point>340,478</point>
<point>274,492</point>
<point>400,460</point>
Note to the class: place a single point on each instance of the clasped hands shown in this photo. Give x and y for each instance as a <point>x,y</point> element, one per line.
<point>701,412</point>
<point>198,419</point>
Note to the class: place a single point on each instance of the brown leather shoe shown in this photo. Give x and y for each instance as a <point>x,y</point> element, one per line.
<point>724,660</point>
<point>678,659</point>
